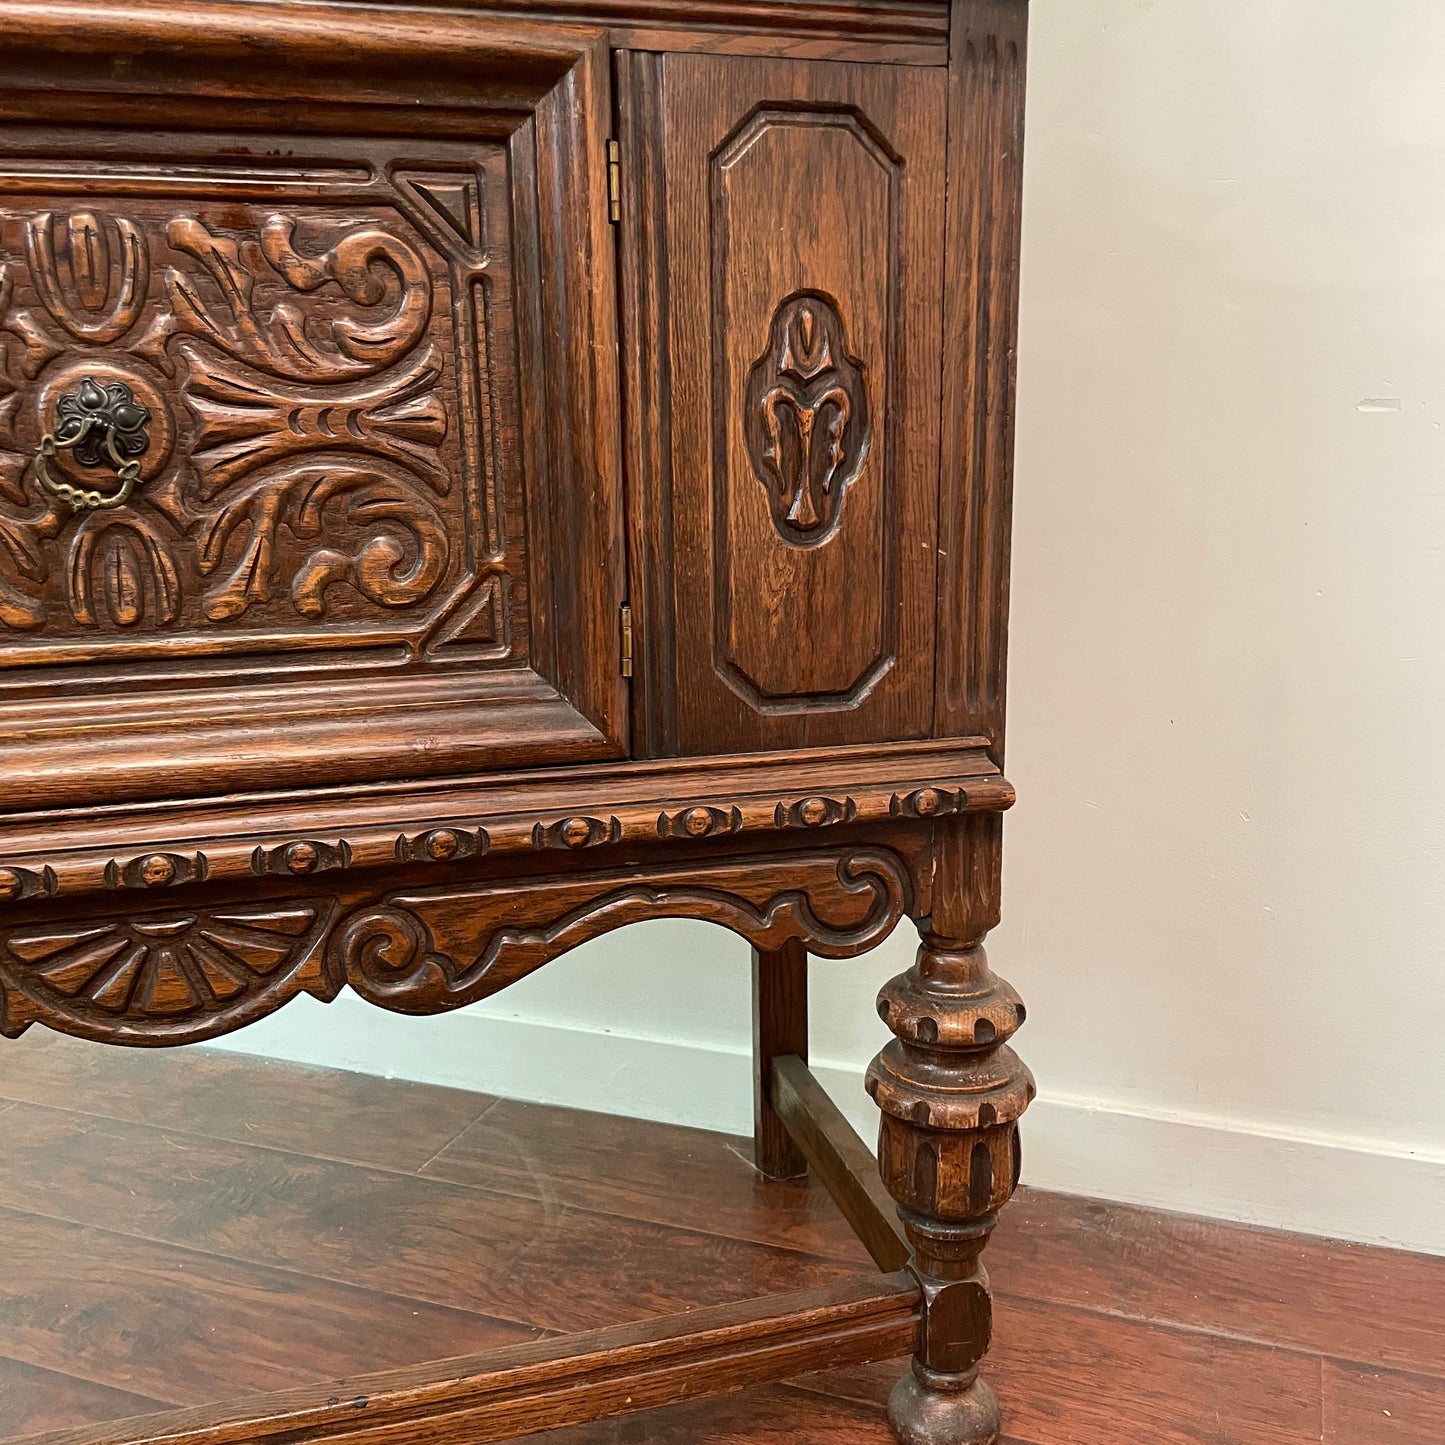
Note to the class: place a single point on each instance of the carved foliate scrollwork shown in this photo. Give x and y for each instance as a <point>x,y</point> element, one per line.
<point>284,339</point>
<point>188,974</point>
<point>296,407</point>
<point>807,417</point>
<point>427,952</point>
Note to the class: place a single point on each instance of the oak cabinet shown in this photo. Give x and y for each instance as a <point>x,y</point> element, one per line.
<point>358,358</point>
<point>476,475</point>
<point>794,272</point>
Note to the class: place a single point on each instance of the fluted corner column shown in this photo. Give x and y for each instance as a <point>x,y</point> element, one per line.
<point>951,1092</point>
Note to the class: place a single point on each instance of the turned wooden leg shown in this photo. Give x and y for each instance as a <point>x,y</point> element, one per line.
<point>951,1093</point>
<point>780,1026</point>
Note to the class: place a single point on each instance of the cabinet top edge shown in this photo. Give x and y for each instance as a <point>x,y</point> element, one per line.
<point>919,21</point>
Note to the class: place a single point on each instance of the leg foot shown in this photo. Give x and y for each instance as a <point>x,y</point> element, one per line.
<point>923,1414</point>
<point>951,1092</point>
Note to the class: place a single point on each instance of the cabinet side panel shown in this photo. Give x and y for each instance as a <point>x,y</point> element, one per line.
<point>985,181</point>
<point>799,259</point>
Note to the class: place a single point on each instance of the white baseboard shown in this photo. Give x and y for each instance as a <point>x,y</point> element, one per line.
<point>1227,1168</point>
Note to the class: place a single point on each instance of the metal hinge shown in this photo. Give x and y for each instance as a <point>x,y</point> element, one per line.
<point>614,182</point>
<point>626,640</point>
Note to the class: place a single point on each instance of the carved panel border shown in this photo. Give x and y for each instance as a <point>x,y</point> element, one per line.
<point>806,475</point>
<point>183,976</point>
<point>658,804</point>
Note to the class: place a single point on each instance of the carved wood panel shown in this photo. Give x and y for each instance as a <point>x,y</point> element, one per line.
<point>184,975</point>
<point>307,430</point>
<point>797,216</point>
<point>161,978</point>
<point>313,388</point>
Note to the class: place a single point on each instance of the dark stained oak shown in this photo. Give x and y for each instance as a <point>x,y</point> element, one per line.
<point>780,1030</point>
<point>951,1092</point>
<point>347,513</point>
<point>987,53</point>
<point>474,476</point>
<point>797,382</point>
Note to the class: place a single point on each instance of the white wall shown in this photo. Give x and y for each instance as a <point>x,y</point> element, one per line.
<point>1225,897</point>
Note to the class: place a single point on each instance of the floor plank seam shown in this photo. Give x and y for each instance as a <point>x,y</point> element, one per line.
<point>1182,1327</point>
<point>483,1191</point>
<point>286,1271</point>
<point>397,1171</point>
<point>1379,1367</point>
<point>154,1403</point>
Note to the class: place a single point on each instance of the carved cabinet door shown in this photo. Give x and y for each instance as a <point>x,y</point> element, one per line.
<point>309,461</point>
<point>782,275</point>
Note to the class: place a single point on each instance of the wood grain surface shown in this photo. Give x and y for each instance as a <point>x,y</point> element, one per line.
<point>182,1245</point>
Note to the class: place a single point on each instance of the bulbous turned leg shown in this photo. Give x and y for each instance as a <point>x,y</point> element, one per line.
<point>951,1092</point>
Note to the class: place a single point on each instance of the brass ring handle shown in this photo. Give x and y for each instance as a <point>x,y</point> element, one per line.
<point>99,423</point>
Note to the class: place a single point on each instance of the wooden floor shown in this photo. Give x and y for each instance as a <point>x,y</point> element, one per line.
<point>184,1227</point>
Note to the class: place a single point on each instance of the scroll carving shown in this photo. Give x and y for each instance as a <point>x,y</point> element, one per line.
<point>163,977</point>
<point>807,417</point>
<point>424,953</point>
<point>297,414</point>
<point>193,973</point>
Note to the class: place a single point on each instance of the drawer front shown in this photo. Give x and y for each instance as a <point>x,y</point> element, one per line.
<point>302,447</point>
<point>788,260</point>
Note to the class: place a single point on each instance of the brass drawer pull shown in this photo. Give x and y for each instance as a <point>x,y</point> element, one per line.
<point>99,424</point>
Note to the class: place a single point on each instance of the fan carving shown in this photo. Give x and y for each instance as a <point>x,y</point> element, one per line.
<point>162,977</point>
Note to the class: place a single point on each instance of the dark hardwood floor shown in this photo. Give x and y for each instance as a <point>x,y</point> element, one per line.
<point>184,1227</point>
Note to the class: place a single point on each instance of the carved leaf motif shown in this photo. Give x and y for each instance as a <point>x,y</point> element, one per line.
<point>397,550</point>
<point>370,265</point>
<point>120,571</point>
<point>309,471</point>
<point>245,424</point>
<point>93,280</point>
<point>807,417</point>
